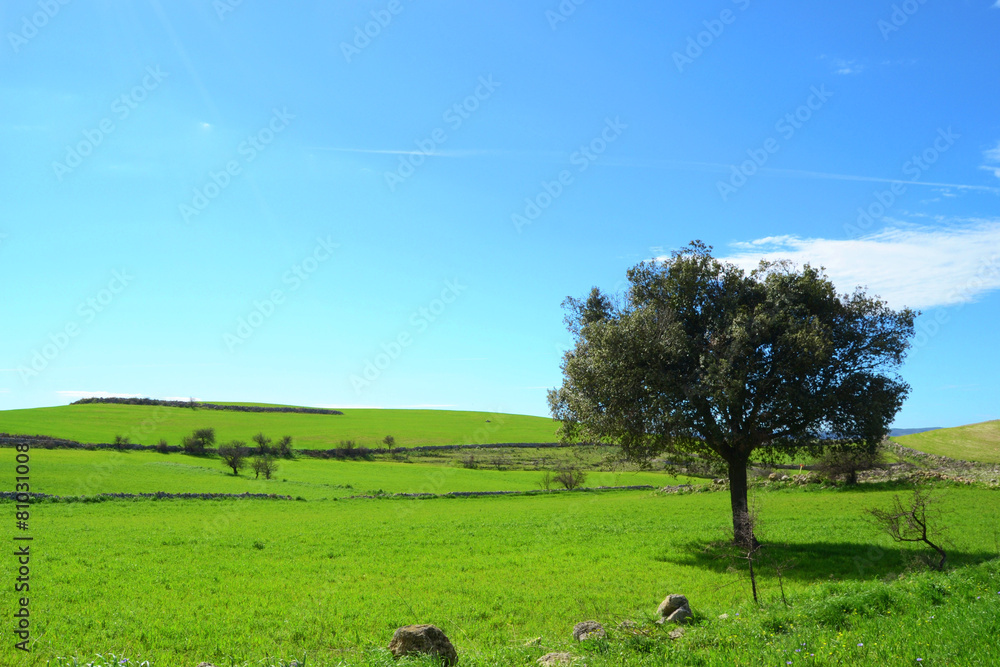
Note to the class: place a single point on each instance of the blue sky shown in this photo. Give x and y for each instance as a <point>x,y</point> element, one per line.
<point>252,201</point>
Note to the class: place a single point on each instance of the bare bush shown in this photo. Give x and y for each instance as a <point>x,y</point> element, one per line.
<point>284,448</point>
<point>571,478</point>
<point>908,521</point>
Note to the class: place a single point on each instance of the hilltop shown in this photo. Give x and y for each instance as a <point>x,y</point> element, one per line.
<point>97,423</point>
<point>972,442</point>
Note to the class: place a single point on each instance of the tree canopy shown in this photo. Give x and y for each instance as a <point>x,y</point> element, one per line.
<point>701,357</point>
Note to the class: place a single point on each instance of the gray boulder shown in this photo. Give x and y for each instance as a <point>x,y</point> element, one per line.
<point>674,609</point>
<point>424,639</point>
<point>671,604</point>
<point>588,630</point>
<point>555,659</point>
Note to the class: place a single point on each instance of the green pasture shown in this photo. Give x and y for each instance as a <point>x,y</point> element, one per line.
<point>367,427</point>
<point>972,442</point>
<point>234,582</point>
<point>65,472</point>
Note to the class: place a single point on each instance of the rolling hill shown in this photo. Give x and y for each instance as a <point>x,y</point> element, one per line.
<point>367,427</point>
<point>972,442</point>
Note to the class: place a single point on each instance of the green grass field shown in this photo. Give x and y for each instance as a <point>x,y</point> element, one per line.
<point>973,442</point>
<point>147,424</point>
<point>177,582</point>
<point>74,473</point>
<point>255,583</point>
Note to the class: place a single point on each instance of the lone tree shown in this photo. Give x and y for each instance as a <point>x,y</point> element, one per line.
<point>701,358</point>
<point>263,444</point>
<point>234,455</point>
<point>199,441</point>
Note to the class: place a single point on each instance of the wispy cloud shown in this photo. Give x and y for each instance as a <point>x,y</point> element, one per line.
<point>992,157</point>
<point>914,266</point>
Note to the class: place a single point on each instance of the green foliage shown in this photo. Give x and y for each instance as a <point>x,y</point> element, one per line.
<point>263,464</point>
<point>234,455</point>
<point>263,444</point>
<point>199,441</point>
<point>701,357</point>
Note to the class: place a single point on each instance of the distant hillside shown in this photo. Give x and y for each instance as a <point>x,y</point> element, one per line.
<point>973,442</point>
<point>910,431</point>
<point>146,424</point>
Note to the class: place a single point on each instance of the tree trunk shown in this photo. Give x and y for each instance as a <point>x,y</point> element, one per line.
<point>742,524</point>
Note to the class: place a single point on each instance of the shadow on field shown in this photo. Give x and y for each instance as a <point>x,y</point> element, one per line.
<point>813,561</point>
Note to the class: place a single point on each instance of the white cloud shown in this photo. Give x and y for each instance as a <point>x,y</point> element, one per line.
<point>69,393</point>
<point>913,266</point>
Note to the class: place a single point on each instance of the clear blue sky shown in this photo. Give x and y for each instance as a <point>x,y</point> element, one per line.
<point>170,168</point>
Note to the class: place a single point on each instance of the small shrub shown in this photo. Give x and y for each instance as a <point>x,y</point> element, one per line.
<point>162,446</point>
<point>469,462</point>
<point>263,444</point>
<point>389,441</point>
<point>199,441</point>
<point>121,441</point>
<point>265,465</point>
<point>845,464</point>
<point>546,481</point>
<point>284,449</point>
<point>571,479</point>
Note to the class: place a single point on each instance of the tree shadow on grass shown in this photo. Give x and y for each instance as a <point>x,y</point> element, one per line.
<point>815,561</point>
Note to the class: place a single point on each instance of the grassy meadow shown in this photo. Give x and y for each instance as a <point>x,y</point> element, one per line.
<point>263,582</point>
<point>972,442</point>
<point>240,581</point>
<point>98,423</point>
<point>84,473</point>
